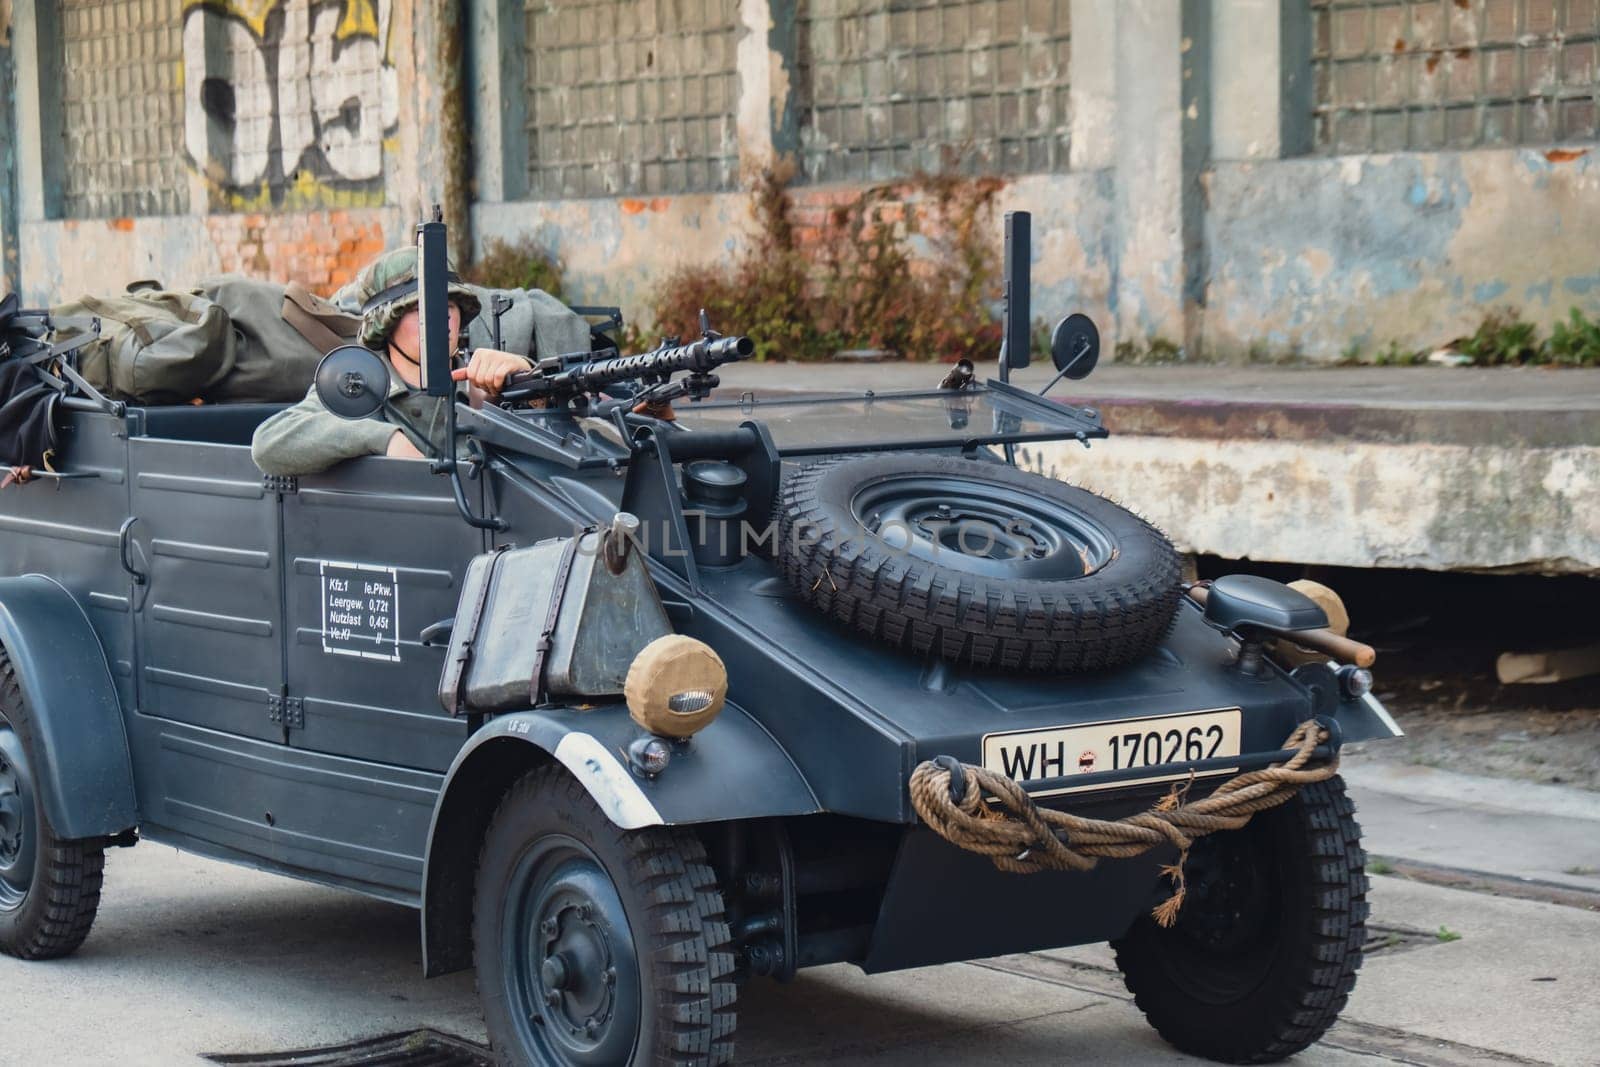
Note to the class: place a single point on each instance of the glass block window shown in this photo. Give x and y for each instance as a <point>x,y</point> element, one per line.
<point>631,96</point>
<point>890,87</point>
<point>1454,73</point>
<point>122,108</point>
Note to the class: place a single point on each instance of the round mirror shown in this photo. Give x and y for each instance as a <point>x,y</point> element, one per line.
<point>1075,346</point>
<point>352,382</point>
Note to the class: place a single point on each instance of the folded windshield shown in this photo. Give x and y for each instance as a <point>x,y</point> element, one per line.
<point>994,413</point>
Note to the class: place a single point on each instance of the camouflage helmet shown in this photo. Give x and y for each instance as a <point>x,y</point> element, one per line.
<point>387,288</point>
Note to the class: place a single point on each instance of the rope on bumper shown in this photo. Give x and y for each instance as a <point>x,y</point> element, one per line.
<point>1020,837</point>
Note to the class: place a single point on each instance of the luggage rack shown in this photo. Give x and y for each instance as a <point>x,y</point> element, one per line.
<point>25,331</point>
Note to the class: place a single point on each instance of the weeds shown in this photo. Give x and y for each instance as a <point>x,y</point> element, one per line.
<point>1502,338</point>
<point>1379,866</point>
<point>1575,342</point>
<point>854,282</point>
<point>523,265</point>
<point>1447,935</point>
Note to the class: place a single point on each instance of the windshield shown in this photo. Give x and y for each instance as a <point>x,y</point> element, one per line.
<point>987,414</point>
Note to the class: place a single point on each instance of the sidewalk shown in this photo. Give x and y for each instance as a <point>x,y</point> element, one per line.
<point>1540,834</point>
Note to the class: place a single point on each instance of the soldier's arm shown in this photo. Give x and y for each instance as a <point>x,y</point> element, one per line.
<point>308,439</point>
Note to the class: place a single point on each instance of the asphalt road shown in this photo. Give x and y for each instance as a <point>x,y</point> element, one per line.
<point>191,956</point>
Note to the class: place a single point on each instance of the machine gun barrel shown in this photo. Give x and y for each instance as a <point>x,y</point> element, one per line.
<point>698,356</point>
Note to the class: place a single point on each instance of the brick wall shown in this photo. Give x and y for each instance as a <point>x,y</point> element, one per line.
<point>321,249</point>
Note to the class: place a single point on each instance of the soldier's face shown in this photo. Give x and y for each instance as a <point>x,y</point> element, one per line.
<point>407,337</point>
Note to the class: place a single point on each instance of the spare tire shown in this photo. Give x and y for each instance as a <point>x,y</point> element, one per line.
<point>977,562</point>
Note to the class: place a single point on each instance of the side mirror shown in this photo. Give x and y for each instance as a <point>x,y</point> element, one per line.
<point>1075,346</point>
<point>352,382</point>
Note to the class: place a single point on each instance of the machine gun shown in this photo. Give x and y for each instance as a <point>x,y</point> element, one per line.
<point>569,380</point>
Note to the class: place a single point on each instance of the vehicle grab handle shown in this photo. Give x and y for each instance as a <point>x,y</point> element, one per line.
<point>124,547</point>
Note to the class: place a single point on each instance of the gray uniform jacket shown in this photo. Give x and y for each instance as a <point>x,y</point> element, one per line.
<point>308,438</point>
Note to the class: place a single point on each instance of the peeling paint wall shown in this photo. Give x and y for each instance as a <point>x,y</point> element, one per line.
<point>1323,256</point>
<point>174,139</point>
<point>1155,144</point>
<point>616,251</point>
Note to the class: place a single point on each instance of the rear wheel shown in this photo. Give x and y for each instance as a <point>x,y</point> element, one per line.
<point>595,945</point>
<point>1264,952</point>
<point>49,887</point>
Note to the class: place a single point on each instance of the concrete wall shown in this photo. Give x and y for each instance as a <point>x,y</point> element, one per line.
<point>1173,196</point>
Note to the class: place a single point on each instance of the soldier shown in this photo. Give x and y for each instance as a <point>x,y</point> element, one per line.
<point>308,438</point>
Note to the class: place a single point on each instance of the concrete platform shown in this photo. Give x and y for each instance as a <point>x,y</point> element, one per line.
<point>1482,469</point>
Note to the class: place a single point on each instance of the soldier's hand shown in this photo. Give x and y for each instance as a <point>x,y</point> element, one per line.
<point>488,368</point>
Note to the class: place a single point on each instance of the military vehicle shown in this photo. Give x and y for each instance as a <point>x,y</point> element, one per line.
<point>627,697</point>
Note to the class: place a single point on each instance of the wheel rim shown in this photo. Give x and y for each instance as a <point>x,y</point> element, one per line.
<point>982,527</point>
<point>18,834</point>
<point>572,978</point>
<point>1229,932</point>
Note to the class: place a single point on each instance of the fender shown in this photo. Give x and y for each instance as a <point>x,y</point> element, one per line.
<point>733,769</point>
<point>83,770</point>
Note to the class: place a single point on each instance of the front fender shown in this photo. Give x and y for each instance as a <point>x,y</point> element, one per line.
<point>732,770</point>
<point>84,776</point>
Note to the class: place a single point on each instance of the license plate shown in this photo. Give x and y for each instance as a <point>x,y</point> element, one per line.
<point>1128,745</point>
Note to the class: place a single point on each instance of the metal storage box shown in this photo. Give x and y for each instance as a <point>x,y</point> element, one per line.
<point>547,622</point>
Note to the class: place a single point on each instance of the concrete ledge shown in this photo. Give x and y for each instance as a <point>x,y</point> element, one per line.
<point>1438,469</point>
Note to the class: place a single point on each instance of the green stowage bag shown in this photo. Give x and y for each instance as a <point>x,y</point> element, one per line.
<point>281,334</point>
<point>156,346</point>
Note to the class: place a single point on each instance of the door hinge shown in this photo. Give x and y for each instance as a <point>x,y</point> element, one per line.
<point>280,483</point>
<point>290,711</point>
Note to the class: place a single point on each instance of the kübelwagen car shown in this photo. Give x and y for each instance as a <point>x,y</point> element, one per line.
<point>635,704</point>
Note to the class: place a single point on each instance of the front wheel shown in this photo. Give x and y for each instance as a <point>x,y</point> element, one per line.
<point>1264,952</point>
<point>49,886</point>
<point>594,945</point>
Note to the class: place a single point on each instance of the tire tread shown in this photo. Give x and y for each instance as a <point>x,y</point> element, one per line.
<point>71,873</point>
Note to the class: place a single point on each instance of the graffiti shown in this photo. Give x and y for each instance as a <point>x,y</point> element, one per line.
<point>287,99</point>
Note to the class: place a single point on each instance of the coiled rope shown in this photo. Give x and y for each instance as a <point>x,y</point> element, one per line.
<point>1020,837</point>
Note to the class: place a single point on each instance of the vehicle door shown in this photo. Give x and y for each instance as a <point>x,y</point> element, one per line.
<point>375,551</point>
<point>208,612</point>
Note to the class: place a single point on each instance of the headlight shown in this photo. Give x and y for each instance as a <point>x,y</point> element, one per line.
<point>1355,681</point>
<point>676,686</point>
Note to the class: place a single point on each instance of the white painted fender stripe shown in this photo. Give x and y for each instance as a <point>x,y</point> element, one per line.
<point>608,782</point>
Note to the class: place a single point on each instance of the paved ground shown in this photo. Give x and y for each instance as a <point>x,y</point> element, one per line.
<point>192,956</point>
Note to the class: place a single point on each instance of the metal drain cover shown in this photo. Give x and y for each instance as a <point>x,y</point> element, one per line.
<point>418,1048</point>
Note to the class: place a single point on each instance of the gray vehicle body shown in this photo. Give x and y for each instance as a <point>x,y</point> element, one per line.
<point>166,608</point>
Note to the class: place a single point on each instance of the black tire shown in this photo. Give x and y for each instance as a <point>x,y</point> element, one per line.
<point>1267,986</point>
<point>1017,571</point>
<point>49,886</point>
<point>654,920</point>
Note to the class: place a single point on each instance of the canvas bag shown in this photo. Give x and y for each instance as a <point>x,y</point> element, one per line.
<point>281,333</point>
<point>156,346</point>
